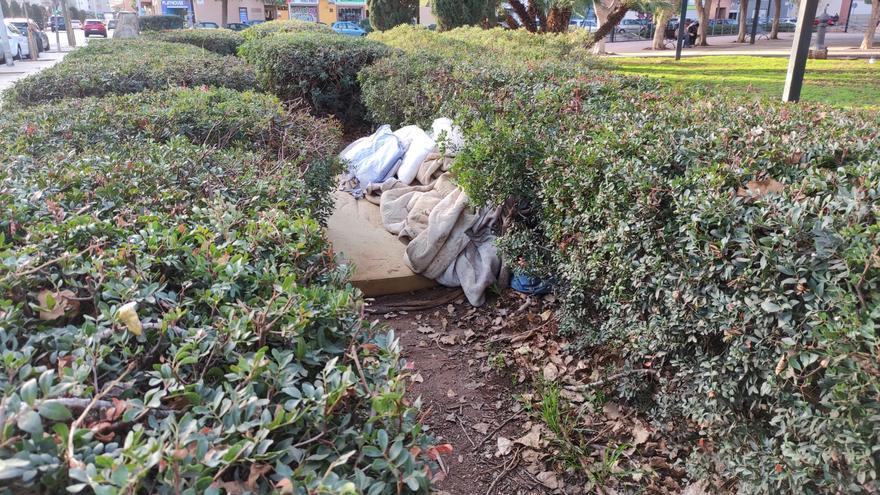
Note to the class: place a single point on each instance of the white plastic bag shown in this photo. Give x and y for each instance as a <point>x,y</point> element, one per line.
<point>418,146</point>
<point>447,136</point>
<point>375,158</point>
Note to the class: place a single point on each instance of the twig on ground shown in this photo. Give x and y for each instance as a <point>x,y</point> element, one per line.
<point>507,468</point>
<point>357,363</point>
<point>615,377</point>
<point>497,429</point>
<point>82,416</point>
<point>468,435</point>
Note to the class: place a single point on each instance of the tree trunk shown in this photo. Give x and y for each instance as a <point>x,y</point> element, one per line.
<point>609,18</point>
<point>661,17</point>
<point>558,19</point>
<point>741,17</point>
<point>777,12</point>
<point>525,19</point>
<point>871,29</point>
<point>704,11</point>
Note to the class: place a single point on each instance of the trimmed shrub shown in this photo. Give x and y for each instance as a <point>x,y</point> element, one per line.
<point>320,69</point>
<point>160,22</point>
<point>172,318</point>
<point>489,45</point>
<point>451,14</point>
<point>219,41</point>
<point>270,28</point>
<point>130,66</point>
<point>385,14</point>
<point>724,255</point>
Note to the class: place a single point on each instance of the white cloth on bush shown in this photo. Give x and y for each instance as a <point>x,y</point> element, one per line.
<point>447,135</point>
<point>373,159</point>
<point>448,240</point>
<point>418,146</point>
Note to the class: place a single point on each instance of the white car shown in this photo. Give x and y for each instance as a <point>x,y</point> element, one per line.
<point>76,24</point>
<point>589,24</point>
<point>18,43</point>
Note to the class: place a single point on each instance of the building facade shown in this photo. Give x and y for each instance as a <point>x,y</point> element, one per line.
<point>327,11</point>
<point>212,10</point>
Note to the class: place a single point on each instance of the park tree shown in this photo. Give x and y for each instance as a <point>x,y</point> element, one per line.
<point>15,9</point>
<point>741,20</point>
<point>777,13</point>
<point>704,12</point>
<point>541,16</point>
<point>662,14</point>
<point>871,29</point>
<point>451,14</point>
<point>385,14</point>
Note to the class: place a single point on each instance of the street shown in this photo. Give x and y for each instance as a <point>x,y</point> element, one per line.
<point>23,68</point>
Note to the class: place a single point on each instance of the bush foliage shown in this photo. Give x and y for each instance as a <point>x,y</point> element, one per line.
<point>271,28</point>
<point>726,253</point>
<point>319,69</point>
<point>171,316</point>
<point>451,14</point>
<point>160,22</point>
<point>219,41</point>
<point>130,66</point>
<point>385,14</point>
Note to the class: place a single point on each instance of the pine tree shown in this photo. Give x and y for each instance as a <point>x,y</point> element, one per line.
<point>451,14</point>
<point>385,14</point>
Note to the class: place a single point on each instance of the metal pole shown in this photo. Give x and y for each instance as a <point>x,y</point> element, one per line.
<point>57,31</point>
<point>800,50</point>
<point>4,39</point>
<point>848,15</point>
<point>755,21</point>
<point>684,11</point>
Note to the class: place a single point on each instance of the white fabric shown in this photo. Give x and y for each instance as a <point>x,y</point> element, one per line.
<point>447,136</point>
<point>374,158</point>
<point>418,146</point>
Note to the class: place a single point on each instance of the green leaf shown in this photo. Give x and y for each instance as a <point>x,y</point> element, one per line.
<point>55,411</point>
<point>770,307</point>
<point>30,422</point>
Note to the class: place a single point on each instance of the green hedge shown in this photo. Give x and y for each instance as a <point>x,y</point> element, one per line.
<point>219,41</point>
<point>235,370</point>
<point>514,45</point>
<point>725,255</point>
<point>130,66</point>
<point>160,22</point>
<point>320,69</point>
<point>270,28</point>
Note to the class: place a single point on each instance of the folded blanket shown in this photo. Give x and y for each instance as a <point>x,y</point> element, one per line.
<point>449,240</point>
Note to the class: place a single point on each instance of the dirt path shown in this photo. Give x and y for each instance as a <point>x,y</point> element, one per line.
<point>469,395</point>
<point>493,379</point>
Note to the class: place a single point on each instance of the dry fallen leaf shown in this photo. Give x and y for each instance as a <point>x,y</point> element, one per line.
<point>257,471</point>
<point>451,393</point>
<point>481,428</point>
<point>640,433</point>
<point>448,339</point>
<point>424,329</point>
<point>611,410</point>
<point>548,479</point>
<point>57,304</point>
<point>504,446</point>
<point>551,372</point>
<point>532,438</point>
<point>416,378</point>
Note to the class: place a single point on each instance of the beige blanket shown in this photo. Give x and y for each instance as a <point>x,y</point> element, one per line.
<point>449,240</point>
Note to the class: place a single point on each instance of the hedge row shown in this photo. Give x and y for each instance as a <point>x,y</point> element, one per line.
<point>265,29</point>
<point>219,41</point>
<point>319,69</point>
<point>130,66</point>
<point>725,249</point>
<point>172,318</point>
<point>160,22</point>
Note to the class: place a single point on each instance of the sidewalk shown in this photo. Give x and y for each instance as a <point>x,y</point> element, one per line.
<point>24,68</point>
<point>840,45</point>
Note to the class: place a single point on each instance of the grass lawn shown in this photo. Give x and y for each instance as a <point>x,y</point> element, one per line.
<point>848,83</point>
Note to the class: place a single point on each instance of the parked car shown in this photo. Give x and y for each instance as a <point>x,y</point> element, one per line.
<point>18,44</point>
<point>40,36</point>
<point>56,22</point>
<point>348,28</point>
<point>76,24</point>
<point>111,24</point>
<point>632,26</point>
<point>94,26</point>
<point>237,26</point>
<point>254,22</point>
<point>207,25</point>
<point>589,24</point>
